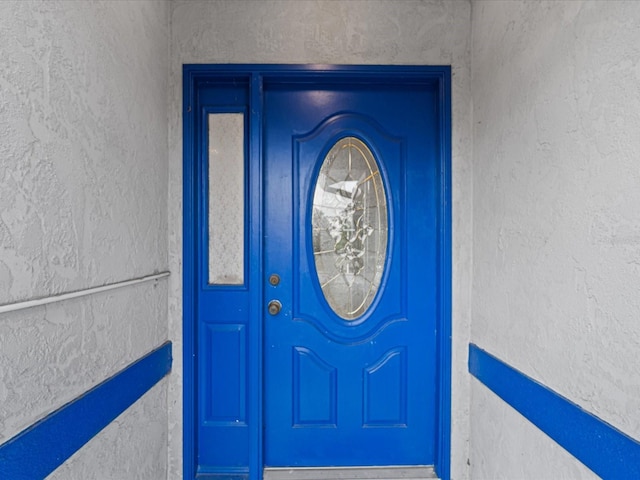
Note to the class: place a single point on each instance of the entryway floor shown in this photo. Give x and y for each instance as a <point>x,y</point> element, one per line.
<point>351,473</point>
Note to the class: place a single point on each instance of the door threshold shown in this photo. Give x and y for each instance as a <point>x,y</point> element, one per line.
<point>418,472</point>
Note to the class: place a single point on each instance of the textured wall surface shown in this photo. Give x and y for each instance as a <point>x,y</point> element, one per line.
<point>52,354</point>
<point>556,93</point>
<point>342,32</point>
<point>121,451</point>
<point>522,449</point>
<point>83,195</point>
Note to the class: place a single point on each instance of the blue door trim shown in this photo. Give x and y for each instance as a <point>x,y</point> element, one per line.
<point>443,468</point>
<point>193,75</point>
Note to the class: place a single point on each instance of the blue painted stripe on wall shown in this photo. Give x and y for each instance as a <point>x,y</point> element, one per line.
<point>604,449</point>
<point>40,449</point>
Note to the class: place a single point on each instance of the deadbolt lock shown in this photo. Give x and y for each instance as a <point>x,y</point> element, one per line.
<point>274,279</point>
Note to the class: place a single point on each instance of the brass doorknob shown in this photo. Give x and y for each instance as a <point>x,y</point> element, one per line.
<point>274,307</point>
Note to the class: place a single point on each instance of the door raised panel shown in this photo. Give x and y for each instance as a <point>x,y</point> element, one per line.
<point>385,390</point>
<point>314,390</point>
<point>225,374</point>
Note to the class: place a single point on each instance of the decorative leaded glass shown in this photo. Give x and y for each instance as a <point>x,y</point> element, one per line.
<point>349,221</point>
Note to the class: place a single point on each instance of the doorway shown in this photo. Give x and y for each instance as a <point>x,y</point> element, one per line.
<point>316,264</point>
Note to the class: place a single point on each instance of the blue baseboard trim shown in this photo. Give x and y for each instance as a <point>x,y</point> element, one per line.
<point>605,450</point>
<point>41,448</point>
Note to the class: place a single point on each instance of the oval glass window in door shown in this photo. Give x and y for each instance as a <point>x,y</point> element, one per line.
<point>349,221</point>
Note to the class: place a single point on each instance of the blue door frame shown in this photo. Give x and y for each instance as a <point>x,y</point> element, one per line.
<point>254,76</point>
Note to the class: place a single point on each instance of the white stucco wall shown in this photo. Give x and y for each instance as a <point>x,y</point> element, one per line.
<point>342,32</point>
<point>83,202</point>
<point>556,94</point>
<point>554,196</point>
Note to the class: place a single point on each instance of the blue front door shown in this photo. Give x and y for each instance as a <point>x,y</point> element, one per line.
<point>316,268</point>
<point>351,200</point>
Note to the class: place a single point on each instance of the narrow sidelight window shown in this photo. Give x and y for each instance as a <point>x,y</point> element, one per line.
<point>226,199</point>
